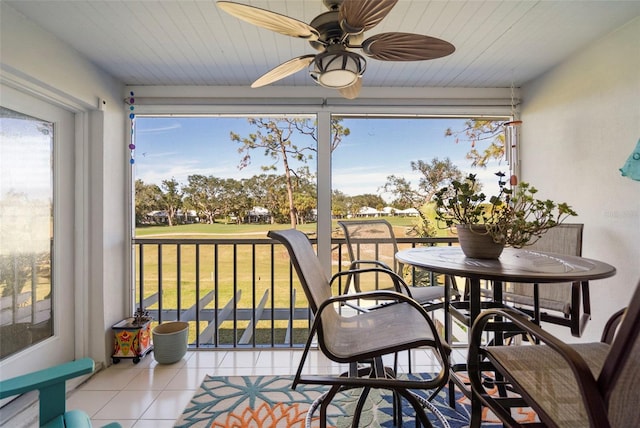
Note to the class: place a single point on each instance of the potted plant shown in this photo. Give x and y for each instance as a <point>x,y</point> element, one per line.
<point>515,217</point>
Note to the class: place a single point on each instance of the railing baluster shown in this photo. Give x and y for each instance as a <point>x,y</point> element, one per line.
<point>241,280</point>
<point>198,295</point>
<point>160,283</point>
<point>140,267</point>
<point>179,281</point>
<point>216,285</point>
<point>273,292</point>
<point>253,295</point>
<point>235,290</point>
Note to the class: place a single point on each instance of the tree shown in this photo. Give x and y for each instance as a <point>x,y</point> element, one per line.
<point>148,198</point>
<point>435,174</point>
<point>366,200</point>
<point>171,198</point>
<point>204,194</point>
<point>235,200</point>
<point>481,130</point>
<point>405,195</point>
<point>275,136</point>
<point>265,190</point>
<point>305,197</point>
<point>340,203</point>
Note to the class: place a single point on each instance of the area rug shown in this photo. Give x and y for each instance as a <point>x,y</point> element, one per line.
<point>269,402</point>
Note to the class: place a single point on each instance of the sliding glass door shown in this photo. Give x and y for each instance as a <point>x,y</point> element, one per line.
<point>36,233</point>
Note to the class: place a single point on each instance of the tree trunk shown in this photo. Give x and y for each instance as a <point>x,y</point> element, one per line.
<point>287,172</point>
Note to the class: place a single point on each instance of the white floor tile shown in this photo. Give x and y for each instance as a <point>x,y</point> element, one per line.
<point>240,359</point>
<point>110,379</point>
<point>89,401</point>
<point>204,359</point>
<point>157,377</point>
<point>127,405</point>
<point>285,358</point>
<point>168,405</point>
<point>188,379</point>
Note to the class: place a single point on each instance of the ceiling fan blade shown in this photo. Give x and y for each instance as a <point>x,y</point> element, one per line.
<point>405,47</point>
<point>283,70</point>
<point>352,92</point>
<point>357,16</point>
<point>270,20</point>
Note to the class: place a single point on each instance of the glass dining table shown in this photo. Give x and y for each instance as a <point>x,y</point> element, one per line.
<point>513,265</point>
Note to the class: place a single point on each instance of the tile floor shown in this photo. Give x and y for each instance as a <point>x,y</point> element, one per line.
<point>151,395</point>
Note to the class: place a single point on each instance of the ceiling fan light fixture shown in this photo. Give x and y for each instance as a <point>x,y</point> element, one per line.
<point>337,69</point>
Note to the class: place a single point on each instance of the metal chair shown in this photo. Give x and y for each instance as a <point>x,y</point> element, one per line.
<point>583,384</point>
<point>373,242</point>
<point>364,338</point>
<point>565,304</point>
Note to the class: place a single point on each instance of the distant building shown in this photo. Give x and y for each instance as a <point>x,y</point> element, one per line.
<point>369,212</point>
<point>410,212</point>
<point>258,215</point>
<point>182,217</point>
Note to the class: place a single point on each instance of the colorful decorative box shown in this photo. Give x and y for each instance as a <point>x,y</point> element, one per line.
<point>131,340</point>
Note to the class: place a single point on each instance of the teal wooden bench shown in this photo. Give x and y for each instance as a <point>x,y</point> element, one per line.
<point>51,383</point>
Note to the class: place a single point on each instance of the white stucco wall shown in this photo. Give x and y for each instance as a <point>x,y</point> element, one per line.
<point>34,61</point>
<point>581,122</point>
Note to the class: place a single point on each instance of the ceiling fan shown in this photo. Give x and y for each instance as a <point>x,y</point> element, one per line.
<point>335,34</point>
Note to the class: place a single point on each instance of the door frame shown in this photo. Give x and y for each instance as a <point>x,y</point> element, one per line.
<point>78,207</point>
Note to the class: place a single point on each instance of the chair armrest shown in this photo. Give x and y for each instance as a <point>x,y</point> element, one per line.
<point>45,378</point>
<point>587,384</point>
<point>611,327</point>
<point>51,383</point>
<point>376,294</point>
<point>354,264</point>
<point>398,283</point>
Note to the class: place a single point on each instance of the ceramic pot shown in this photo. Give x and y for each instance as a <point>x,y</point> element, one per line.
<point>170,341</point>
<point>476,242</point>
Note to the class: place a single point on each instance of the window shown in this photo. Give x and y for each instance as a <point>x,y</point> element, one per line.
<point>387,165</point>
<point>221,170</point>
<point>209,187</point>
<point>254,170</point>
<point>26,230</point>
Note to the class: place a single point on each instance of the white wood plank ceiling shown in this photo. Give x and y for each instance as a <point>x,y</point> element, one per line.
<point>184,42</point>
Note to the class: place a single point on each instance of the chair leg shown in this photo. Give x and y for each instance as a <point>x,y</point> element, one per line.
<point>476,412</point>
<point>359,407</point>
<point>452,394</point>
<point>397,409</point>
<point>326,400</point>
<point>435,393</point>
<point>421,416</point>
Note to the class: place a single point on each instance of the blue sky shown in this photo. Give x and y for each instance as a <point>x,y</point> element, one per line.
<point>176,147</point>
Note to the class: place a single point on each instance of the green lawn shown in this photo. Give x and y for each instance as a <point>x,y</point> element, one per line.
<point>250,230</point>
<point>229,230</point>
